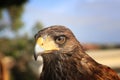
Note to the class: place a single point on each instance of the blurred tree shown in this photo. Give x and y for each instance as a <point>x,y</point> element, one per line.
<point>21,49</point>
<point>0,13</point>
<point>6,3</point>
<point>15,16</point>
<point>38,26</point>
<point>15,9</point>
<point>20,45</point>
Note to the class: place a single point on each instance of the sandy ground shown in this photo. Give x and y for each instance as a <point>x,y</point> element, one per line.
<point>107,57</point>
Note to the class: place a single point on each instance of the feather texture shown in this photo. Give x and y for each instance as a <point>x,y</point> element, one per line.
<point>70,62</point>
<point>74,66</point>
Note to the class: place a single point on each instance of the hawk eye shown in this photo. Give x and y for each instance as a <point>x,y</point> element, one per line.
<point>60,39</point>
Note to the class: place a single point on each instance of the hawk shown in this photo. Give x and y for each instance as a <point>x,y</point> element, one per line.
<point>64,58</point>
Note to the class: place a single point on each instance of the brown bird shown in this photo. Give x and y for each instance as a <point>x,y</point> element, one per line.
<point>64,58</point>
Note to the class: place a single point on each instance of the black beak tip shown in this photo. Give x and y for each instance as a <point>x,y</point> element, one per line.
<point>35,57</point>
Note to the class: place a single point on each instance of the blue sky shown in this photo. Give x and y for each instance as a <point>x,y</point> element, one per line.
<point>95,21</point>
<point>92,21</point>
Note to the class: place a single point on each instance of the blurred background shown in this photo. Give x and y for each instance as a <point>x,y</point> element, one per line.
<point>95,23</point>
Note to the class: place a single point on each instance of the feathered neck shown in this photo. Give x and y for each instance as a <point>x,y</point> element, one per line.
<point>58,66</point>
<point>75,65</point>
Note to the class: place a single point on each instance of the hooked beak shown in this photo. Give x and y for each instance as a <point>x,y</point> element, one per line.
<point>44,44</point>
<point>38,51</point>
<point>38,48</point>
<point>35,57</point>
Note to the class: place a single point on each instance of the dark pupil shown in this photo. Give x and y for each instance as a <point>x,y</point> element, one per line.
<point>60,38</point>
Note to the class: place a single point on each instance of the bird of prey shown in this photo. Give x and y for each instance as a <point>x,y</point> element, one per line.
<point>64,58</point>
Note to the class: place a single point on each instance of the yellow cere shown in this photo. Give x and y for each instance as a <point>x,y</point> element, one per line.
<point>47,43</point>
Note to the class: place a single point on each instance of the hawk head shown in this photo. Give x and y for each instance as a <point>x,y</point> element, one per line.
<point>54,46</point>
<point>54,38</point>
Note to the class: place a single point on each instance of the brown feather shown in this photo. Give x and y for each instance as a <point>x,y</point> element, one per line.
<point>76,66</point>
<point>71,62</point>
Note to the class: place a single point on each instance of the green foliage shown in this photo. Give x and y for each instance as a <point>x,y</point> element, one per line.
<point>38,26</point>
<point>15,13</point>
<point>15,9</point>
<point>21,49</point>
<point>7,3</point>
<point>16,47</point>
<point>0,13</point>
